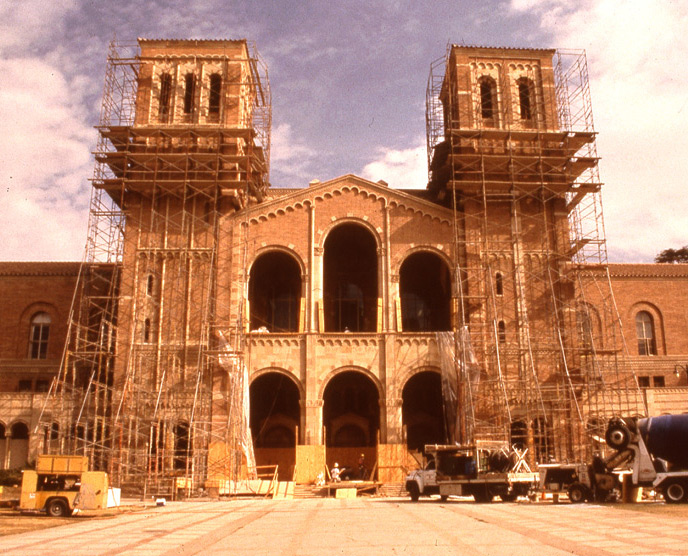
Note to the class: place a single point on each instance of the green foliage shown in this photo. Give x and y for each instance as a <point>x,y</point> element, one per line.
<point>10,477</point>
<point>673,255</point>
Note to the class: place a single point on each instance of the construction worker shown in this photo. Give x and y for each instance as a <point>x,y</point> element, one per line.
<point>335,473</point>
<point>362,468</point>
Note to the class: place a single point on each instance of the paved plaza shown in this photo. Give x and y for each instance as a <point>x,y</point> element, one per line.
<point>363,526</point>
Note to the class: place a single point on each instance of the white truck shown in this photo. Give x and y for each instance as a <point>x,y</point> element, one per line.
<point>482,470</point>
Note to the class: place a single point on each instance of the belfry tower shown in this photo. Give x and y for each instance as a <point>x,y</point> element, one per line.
<point>184,139</point>
<point>511,149</point>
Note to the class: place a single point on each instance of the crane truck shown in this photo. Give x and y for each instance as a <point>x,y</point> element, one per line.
<point>482,470</point>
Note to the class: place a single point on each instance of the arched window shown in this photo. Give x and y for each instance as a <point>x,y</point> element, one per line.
<point>38,337</point>
<point>189,92</point>
<point>526,102</point>
<point>147,330</point>
<point>215,90</point>
<point>165,95</point>
<point>501,331</point>
<point>150,282</point>
<point>499,284</point>
<point>181,445</point>
<point>645,330</point>
<point>488,98</point>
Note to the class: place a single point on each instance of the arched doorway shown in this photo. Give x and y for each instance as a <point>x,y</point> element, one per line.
<point>275,417</point>
<point>274,293</point>
<point>350,280</point>
<point>425,290</point>
<point>3,444</point>
<point>19,445</point>
<point>351,415</point>
<point>422,410</point>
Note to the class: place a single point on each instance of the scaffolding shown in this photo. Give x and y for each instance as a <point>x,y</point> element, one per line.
<point>153,383</point>
<point>511,150</point>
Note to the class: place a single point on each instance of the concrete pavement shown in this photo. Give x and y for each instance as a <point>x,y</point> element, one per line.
<point>363,526</point>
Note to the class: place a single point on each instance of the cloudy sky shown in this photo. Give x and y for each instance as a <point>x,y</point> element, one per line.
<point>348,85</point>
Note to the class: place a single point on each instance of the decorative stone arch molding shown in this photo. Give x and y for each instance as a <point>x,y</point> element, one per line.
<point>281,371</point>
<point>361,221</point>
<point>355,368</point>
<point>657,322</point>
<point>402,381</point>
<point>274,247</point>
<point>438,250</point>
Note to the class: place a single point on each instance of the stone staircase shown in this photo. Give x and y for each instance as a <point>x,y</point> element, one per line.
<point>392,490</point>
<point>302,492</point>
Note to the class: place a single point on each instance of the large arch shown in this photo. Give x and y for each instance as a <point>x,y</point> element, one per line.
<point>275,401</point>
<point>425,290</point>
<point>422,410</point>
<point>3,442</point>
<point>351,416</point>
<point>350,276</point>
<point>274,292</point>
<point>19,445</point>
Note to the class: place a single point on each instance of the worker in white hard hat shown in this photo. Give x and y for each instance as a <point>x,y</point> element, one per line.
<point>335,473</point>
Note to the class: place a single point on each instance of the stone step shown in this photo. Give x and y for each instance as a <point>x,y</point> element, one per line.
<point>392,489</point>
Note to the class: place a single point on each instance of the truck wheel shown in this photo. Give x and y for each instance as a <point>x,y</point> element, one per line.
<point>482,495</point>
<point>511,497</point>
<point>414,491</point>
<point>617,436</point>
<point>578,493</point>
<point>675,492</point>
<point>56,508</point>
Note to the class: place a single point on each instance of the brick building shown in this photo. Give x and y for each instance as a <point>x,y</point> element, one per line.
<point>358,318</point>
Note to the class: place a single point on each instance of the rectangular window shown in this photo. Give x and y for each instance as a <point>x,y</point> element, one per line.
<point>644,381</point>
<point>25,386</point>
<point>658,381</point>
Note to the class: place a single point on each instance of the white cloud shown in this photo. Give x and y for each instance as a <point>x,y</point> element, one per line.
<point>27,21</point>
<point>44,163</point>
<point>292,157</point>
<point>636,55</point>
<point>400,168</point>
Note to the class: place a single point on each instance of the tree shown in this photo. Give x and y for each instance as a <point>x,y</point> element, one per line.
<point>673,255</point>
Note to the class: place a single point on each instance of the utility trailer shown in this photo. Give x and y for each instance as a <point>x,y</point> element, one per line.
<point>62,484</point>
<point>482,470</point>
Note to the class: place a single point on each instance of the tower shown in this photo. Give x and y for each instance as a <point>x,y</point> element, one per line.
<point>511,149</point>
<point>184,140</point>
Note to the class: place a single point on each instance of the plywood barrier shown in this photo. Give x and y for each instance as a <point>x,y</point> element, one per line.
<point>284,458</point>
<point>220,463</point>
<point>394,460</point>
<point>310,460</point>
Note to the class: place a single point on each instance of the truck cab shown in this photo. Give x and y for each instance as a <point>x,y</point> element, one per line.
<point>423,482</point>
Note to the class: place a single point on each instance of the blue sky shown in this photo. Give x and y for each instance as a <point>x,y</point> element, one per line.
<point>348,88</point>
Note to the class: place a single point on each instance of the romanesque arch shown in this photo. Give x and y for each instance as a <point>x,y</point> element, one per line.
<point>351,417</point>
<point>422,410</point>
<point>425,291</point>
<point>19,445</point>
<point>274,292</point>
<point>350,276</point>
<point>275,401</point>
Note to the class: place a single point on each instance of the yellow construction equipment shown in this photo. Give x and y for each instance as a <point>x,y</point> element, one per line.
<point>62,484</point>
